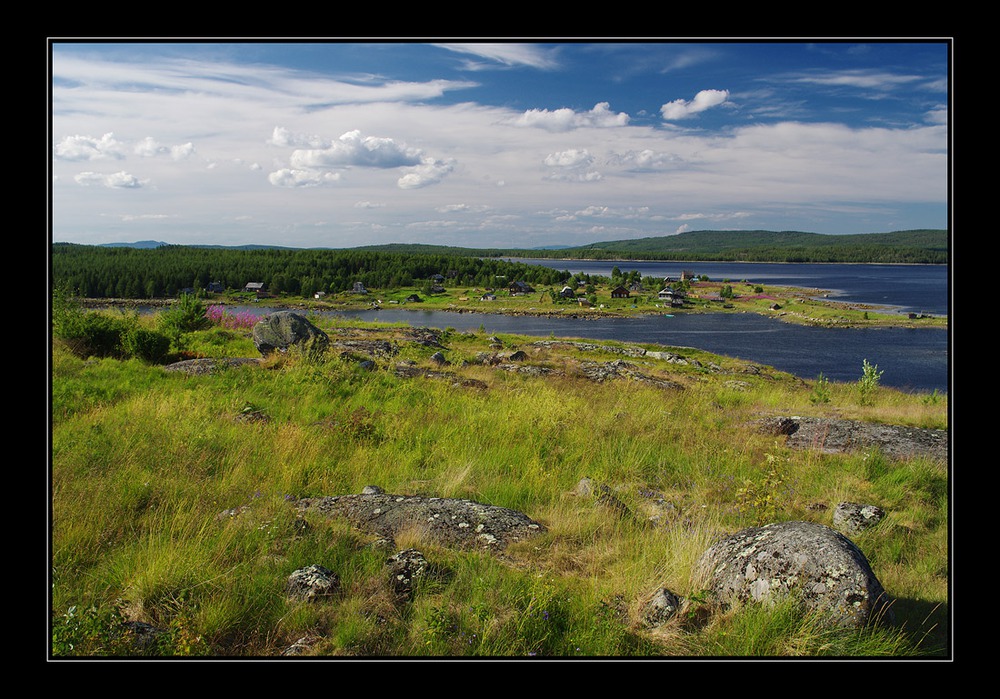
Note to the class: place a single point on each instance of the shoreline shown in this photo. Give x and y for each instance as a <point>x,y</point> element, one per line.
<point>879,319</point>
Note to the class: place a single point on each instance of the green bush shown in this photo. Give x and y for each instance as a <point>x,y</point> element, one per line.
<point>93,334</point>
<point>148,345</point>
<point>188,315</point>
<point>98,334</point>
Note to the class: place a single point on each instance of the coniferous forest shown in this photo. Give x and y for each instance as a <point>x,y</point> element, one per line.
<point>133,272</point>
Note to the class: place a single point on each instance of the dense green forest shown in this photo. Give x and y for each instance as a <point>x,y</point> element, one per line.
<point>133,273</point>
<point>913,247</point>
<point>150,271</point>
<point>918,246</point>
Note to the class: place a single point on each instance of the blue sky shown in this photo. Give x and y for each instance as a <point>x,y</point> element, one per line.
<point>483,144</point>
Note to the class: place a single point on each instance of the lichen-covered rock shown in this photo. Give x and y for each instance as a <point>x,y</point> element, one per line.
<point>312,583</point>
<point>660,608</point>
<point>447,521</point>
<point>854,518</point>
<point>277,332</point>
<point>821,567</point>
<point>210,365</point>
<point>405,568</point>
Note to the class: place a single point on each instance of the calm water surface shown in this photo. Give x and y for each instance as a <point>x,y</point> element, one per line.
<point>909,359</point>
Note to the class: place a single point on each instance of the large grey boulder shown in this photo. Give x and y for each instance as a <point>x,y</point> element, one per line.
<point>277,332</point>
<point>821,567</point>
<point>446,521</point>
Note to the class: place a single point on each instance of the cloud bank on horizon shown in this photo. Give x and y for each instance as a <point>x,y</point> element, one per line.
<point>493,144</point>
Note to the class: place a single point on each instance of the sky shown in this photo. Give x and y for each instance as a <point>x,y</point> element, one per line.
<point>340,144</point>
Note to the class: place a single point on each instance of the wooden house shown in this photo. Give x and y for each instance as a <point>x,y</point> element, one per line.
<point>254,287</point>
<point>619,292</point>
<point>519,287</point>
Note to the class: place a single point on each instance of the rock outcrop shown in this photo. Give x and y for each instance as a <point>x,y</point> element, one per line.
<point>277,332</point>
<point>446,521</point>
<point>210,365</point>
<point>836,435</point>
<point>823,569</point>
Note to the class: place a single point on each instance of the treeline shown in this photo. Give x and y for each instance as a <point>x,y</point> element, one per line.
<point>901,247</point>
<point>123,272</point>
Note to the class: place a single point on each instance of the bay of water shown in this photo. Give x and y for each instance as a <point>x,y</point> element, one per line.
<point>910,359</point>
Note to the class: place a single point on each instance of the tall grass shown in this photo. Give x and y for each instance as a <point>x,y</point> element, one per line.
<point>171,507</point>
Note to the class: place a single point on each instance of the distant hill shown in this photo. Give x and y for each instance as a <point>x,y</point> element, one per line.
<point>922,246</point>
<point>142,244</point>
<point>915,246</point>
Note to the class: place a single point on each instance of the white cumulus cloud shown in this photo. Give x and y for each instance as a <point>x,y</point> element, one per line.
<point>107,147</point>
<point>286,139</point>
<point>566,119</point>
<point>427,173</point>
<point>569,158</point>
<point>117,180</point>
<point>290,177</point>
<point>682,109</point>
<point>354,149</point>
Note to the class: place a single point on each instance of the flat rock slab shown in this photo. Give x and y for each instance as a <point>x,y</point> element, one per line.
<point>836,435</point>
<point>210,365</point>
<point>447,521</point>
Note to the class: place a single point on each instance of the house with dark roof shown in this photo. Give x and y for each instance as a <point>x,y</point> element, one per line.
<point>619,292</point>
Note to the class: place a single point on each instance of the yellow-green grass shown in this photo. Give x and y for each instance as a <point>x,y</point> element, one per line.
<point>172,506</point>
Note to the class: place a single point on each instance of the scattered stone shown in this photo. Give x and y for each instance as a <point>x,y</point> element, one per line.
<point>518,356</point>
<point>853,518</point>
<point>604,495</point>
<point>825,571</point>
<point>142,636</point>
<point>301,646</point>
<point>438,359</point>
<point>661,608</point>
<point>312,583</point>
<point>405,568</point>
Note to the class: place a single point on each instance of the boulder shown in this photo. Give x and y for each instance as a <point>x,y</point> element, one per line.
<point>277,332</point>
<point>821,567</point>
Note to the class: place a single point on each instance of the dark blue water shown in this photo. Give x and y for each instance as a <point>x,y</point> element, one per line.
<point>916,360</point>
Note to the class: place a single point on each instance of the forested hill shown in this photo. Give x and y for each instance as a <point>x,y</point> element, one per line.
<point>917,246</point>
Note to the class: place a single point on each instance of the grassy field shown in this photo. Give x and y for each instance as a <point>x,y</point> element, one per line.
<point>173,502</point>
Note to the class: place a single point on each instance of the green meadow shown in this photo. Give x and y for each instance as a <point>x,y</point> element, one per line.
<point>173,497</point>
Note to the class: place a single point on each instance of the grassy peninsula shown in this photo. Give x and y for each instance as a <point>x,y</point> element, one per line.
<point>173,495</point>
